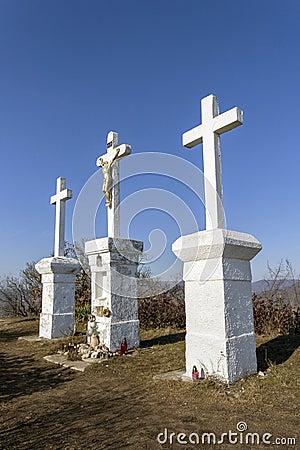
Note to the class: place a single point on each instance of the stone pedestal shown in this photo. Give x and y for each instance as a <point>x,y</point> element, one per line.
<point>219,316</point>
<point>58,299</point>
<point>113,263</point>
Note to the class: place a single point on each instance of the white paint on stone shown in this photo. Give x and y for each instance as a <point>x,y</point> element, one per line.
<point>211,244</point>
<point>219,317</point>
<point>227,268</point>
<point>208,134</point>
<point>58,276</point>
<point>113,264</point>
<point>59,199</point>
<point>58,298</point>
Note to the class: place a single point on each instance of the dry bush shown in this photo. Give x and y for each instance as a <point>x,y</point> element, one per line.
<point>164,310</point>
<point>273,316</point>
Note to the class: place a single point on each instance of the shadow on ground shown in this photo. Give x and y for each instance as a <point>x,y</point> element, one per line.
<point>276,351</point>
<point>21,376</point>
<point>14,330</point>
<point>163,340</point>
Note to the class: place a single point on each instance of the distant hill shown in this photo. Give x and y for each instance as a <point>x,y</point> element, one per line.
<point>263,285</point>
<point>289,291</point>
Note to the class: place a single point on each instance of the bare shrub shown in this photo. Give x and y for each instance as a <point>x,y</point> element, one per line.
<point>164,310</point>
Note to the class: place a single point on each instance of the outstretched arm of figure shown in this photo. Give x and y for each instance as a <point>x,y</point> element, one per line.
<point>99,162</point>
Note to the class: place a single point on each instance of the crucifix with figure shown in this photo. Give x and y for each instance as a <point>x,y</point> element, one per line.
<point>59,199</point>
<point>111,180</point>
<point>113,261</point>
<point>208,134</point>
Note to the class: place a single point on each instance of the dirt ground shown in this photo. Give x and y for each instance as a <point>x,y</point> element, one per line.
<point>119,405</point>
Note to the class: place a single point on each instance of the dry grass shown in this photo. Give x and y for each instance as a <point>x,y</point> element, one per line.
<point>120,405</point>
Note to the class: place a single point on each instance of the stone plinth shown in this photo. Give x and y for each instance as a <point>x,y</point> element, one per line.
<point>113,263</point>
<point>219,316</point>
<point>58,279</point>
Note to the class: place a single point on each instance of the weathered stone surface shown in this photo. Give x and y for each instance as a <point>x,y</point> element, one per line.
<point>124,309</point>
<point>54,326</point>
<point>116,248</point>
<point>241,351</point>
<point>213,244</point>
<point>217,269</point>
<point>57,265</point>
<point>220,336</point>
<point>113,265</point>
<point>219,317</point>
<point>125,329</point>
<point>58,279</point>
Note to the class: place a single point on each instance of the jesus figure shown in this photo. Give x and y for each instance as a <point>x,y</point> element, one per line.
<point>107,176</point>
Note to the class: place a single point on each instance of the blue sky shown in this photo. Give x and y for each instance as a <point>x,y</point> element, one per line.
<point>73,70</point>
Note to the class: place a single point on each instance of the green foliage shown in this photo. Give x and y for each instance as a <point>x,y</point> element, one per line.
<point>82,312</point>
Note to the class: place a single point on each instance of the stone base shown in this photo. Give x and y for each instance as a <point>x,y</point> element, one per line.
<point>73,365</point>
<point>220,335</point>
<point>226,359</point>
<point>54,326</point>
<point>114,303</point>
<point>112,334</point>
<point>58,298</point>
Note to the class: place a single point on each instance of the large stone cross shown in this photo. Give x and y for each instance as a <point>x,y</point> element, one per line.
<point>111,180</point>
<point>208,133</point>
<point>59,199</point>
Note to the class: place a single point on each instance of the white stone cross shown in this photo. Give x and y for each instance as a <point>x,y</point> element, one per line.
<point>59,199</point>
<point>208,133</point>
<point>111,182</point>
